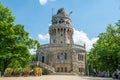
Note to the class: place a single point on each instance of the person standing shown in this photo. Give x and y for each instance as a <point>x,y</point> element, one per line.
<point>116,74</point>
<point>94,72</point>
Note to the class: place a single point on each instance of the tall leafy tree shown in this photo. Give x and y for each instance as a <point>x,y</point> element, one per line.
<point>14,42</point>
<point>105,55</point>
<point>6,35</point>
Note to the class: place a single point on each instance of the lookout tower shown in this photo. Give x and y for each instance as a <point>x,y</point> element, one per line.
<point>61,54</point>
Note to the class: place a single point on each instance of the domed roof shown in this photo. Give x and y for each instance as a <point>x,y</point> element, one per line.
<point>61,11</point>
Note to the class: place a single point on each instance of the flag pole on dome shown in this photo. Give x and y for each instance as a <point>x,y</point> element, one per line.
<point>52,11</point>
<point>53,8</point>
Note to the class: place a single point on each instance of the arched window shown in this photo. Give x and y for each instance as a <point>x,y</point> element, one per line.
<point>58,29</point>
<point>65,56</point>
<point>55,31</point>
<point>43,59</point>
<point>80,57</point>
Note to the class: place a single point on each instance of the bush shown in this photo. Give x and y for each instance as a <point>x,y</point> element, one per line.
<point>8,72</point>
<point>26,70</point>
<point>17,71</point>
<point>37,71</point>
<point>40,72</point>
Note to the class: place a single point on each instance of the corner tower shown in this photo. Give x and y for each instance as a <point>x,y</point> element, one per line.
<point>61,31</point>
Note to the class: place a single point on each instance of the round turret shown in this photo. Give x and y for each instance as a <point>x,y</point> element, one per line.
<point>61,31</point>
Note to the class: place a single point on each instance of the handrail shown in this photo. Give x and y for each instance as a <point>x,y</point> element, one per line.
<point>44,66</point>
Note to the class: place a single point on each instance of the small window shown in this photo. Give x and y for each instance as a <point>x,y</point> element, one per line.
<point>61,34</point>
<point>55,22</point>
<point>65,69</point>
<point>58,57</point>
<point>59,21</point>
<point>61,42</point>
<point>58,69</point>
<point>61,69</point>
<point>81,69</point>
<point>62,56</point>
<point>65,56</point>
<point>53,41</point>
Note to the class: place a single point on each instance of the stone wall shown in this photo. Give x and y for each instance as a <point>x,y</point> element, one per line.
<point>55,57</point>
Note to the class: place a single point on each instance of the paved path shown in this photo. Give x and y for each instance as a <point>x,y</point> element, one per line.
<point>55,77</point>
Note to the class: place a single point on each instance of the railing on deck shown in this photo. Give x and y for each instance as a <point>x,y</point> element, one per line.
<point>63,45</point>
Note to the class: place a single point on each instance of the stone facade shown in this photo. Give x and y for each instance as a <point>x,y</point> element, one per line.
<point>61,53</point>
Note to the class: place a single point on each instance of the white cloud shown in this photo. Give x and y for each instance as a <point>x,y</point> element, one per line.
<point>49,24</point>
<point>43,2</point>
<point>79,37</point>
<point>52,0</point>
<point>43,38</point>
<point>32,51</point>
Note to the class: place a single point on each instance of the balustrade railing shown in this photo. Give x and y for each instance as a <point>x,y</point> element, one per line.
<point>63,45</point>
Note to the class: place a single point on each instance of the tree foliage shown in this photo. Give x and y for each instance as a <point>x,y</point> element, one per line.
<point>105,54</point>
<point>14,42</point>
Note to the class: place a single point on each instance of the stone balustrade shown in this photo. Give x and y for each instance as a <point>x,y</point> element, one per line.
<point>63,45</point>
<point>60,25</point>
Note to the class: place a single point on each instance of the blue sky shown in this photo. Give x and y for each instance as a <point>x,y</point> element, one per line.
<point>89,17</point>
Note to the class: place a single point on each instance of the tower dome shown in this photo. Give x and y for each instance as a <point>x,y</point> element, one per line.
<point>61,31</point>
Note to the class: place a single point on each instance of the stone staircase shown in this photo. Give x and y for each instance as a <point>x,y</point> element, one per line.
<point>50,69</point>
<point>44,66</point>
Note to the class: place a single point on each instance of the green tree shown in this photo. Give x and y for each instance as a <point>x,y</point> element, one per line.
<point>6,35</point>
<point>105,54</point>
<point>14,42</point>
<point>33,57</point>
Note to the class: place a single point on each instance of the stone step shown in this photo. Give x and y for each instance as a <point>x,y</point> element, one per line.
<point>63,73</point>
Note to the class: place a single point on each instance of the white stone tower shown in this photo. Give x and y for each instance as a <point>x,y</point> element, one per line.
<point>61,54</point>
<point>61,31</point>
